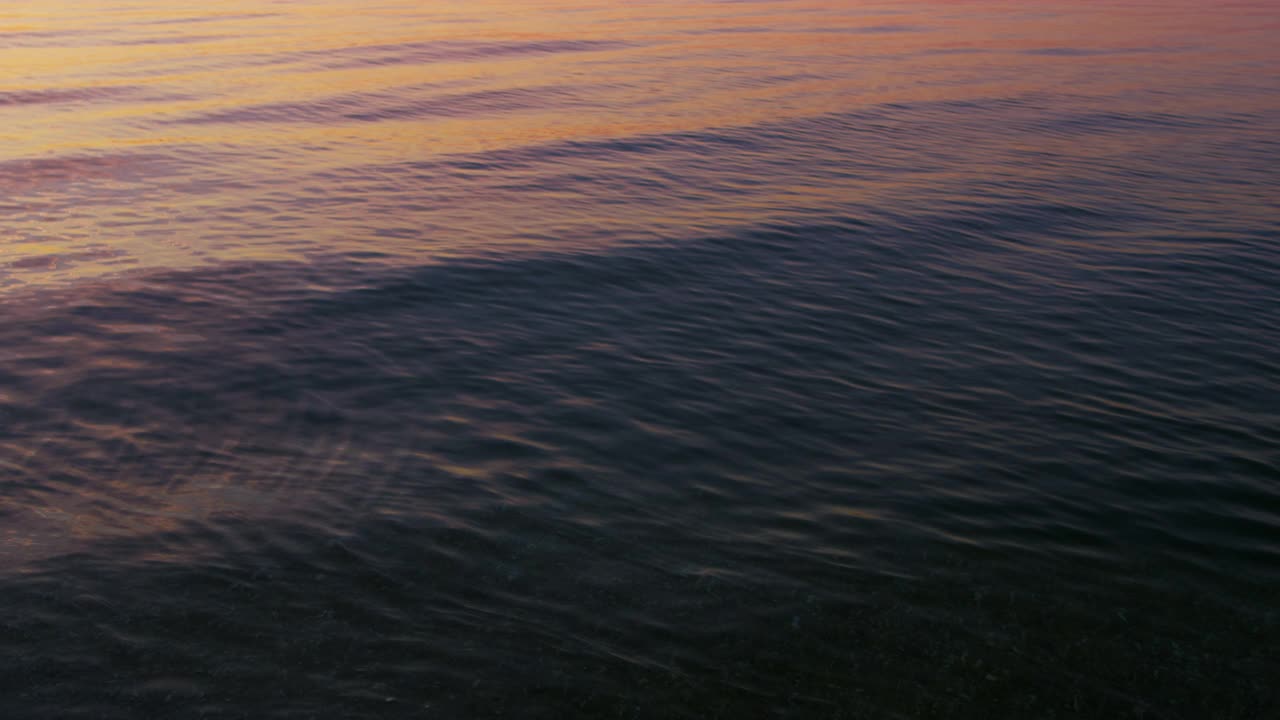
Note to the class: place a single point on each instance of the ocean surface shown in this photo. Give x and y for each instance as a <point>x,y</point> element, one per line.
<point>664,359</point>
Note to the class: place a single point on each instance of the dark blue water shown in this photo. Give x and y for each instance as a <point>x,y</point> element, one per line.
<point>369,398</point>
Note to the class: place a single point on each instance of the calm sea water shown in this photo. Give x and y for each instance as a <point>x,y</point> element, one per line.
<point>665,359</point>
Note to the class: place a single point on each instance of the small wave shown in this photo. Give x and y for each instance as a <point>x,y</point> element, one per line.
<point>66,95</point>
<point>45,262</point>
<point>42,38</point>
<point>392,105</point>
<point>28,174</point>
<point>174,40</point>
<point>1098,51</point>
<point>437,51</point>
<point>215,18</point>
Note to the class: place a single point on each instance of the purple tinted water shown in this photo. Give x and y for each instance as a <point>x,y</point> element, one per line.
<point>669,359</point>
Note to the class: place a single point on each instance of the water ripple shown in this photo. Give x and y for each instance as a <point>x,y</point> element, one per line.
<point>673,359</point>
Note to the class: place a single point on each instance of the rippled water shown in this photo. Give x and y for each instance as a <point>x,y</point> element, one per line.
<point>786,358</point>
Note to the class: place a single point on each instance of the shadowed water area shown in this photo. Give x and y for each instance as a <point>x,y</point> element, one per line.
<point>675,359</point>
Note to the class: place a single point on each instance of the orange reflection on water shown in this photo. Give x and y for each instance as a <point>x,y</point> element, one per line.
<point>171,122</point>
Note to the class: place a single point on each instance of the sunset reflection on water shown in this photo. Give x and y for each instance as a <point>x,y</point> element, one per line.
<point>137,137</point>
<point>801,358</point>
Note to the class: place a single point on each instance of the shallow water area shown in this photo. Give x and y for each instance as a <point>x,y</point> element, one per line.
<point>788,358</point>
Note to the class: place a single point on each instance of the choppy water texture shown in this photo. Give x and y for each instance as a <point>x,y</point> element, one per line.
<point>670,359</point>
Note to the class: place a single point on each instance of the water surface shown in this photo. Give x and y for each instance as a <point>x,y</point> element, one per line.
<point>668,359</point>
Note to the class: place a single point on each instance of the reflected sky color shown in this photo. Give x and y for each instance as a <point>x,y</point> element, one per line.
<point>136,136</point>
<point>139,138</point>
<point>732,358</point>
